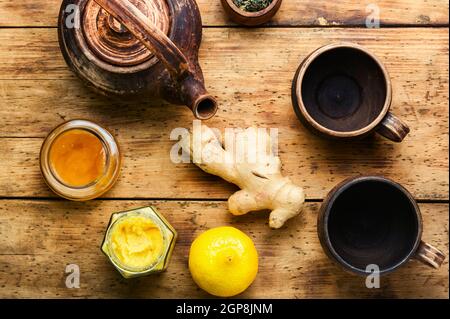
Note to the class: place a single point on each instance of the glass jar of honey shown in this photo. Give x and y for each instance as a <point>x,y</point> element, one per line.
<point>139,242</point>
<point>80,160</point>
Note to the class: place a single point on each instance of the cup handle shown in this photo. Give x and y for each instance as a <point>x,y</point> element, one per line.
<point>429,255</point>
<point>393,128</point>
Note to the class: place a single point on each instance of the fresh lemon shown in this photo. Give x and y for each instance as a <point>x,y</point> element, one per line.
<point>223,261</point>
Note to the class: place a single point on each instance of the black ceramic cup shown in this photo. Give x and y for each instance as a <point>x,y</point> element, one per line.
<point>371,220</point>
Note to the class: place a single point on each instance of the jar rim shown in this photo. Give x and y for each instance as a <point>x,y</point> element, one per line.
<point>102,183</point>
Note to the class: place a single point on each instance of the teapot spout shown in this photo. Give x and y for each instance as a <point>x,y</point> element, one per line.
<point>193,94</point>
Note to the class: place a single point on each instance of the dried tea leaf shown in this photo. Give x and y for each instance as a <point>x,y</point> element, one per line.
<point>252,5</point>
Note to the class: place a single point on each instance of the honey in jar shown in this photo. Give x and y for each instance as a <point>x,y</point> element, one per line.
<point>78,157</point>
<point>80,160</point>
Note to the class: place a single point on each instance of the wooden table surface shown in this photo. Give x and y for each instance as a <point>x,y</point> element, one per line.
<point>250,72</point>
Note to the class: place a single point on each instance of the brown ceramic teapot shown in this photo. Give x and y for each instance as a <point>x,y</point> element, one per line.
<point>137,48</point>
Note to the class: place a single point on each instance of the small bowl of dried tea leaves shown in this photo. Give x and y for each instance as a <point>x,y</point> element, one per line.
<point>251,12</point>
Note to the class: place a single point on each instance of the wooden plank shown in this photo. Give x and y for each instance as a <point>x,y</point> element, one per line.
<point>248,77</point>
<point>39,238</point>
<point>291,13</point>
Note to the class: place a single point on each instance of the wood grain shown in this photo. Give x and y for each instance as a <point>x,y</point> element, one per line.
<point>39,238</point>
<point>250,72</point>
<point>292,12</point>
<point>252,83</point>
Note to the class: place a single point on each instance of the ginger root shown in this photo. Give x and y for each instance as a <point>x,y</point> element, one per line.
<point>250,164</point>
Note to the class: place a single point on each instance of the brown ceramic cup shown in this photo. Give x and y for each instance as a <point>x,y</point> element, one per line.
<point>371,220</point>
<point>343,91</point>
<point>250,18</point>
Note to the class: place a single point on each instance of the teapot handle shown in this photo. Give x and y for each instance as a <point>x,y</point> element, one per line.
<point>147,33</point>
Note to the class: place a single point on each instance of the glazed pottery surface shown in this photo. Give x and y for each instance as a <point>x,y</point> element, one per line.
<point>344,91</point>
<point>371,220</point>
<point>250,18</point>
<point>137,49</point>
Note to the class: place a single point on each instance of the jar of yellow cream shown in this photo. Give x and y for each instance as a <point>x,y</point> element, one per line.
<point>139,242</point>
<point>80,160</point>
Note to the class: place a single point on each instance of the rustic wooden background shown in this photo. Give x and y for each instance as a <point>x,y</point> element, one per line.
<point>250,72</point>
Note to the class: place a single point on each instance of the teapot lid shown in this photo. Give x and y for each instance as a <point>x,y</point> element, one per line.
<point>111,42</point>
